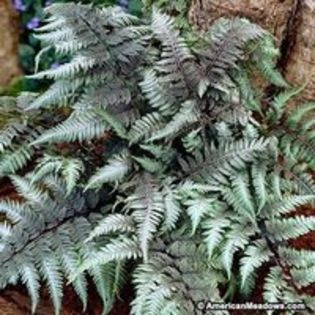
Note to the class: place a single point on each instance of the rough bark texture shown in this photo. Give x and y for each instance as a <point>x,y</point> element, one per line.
<point>299,62</point>
<point>270,14</point>
<point>291,21</point>
<point>9,39</point>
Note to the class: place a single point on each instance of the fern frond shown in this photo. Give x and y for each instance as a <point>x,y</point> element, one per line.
<point>47,165</point>
<point>10,162</point>
<point>266,58</point>
<point>56,94</point>
<point>273,286</point>
<point>197,210</point>
<point>187,114</point>
<point>116,169</point>
<point>227,42</point>
<point>192,142</point>
<point>303,277</point>
<point>108,279</point>
<point>285,229</point>
<point>278,104</point>
<point>30,278</point>
<point>71,172</point>
<point>85,34</point>
<point>28,190</point>
<point>148,209</point>
<point>255,256</point>
<point>79,126</point>
<point>173,208</point>
<point>236,239</point>
<point>113,223</point>
<point>299,113</point>
<point>119,249</point>
<point>299,258</point>
<point>242,198</point>
<point>177,64</point>
<point>248,95</point>
<point>227,158</point>
<point>213,232</point>
<point>69,169</point>
<point>9,133</point>
<point>174,278</point>
<point>13,210</point>
<point>150,165</point>
<point>287,204</point>
<point>259,174</point>
<point>158,97</point>
<point>50,269</point>
<point>145,126</point>
<point>45,242</point>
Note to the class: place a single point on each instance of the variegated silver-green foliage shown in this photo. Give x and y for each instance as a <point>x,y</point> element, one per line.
<point>177,277</point>
<point>69,169</point>
<point>18,130</point>
<point>242,219</point>
<point>202,180</point>
<point>107,49</point>
<point>42,239</point>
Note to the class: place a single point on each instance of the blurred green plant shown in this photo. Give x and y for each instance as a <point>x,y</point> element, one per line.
<point>20,84</point>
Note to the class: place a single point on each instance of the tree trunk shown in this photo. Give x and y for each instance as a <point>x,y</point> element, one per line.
<point>299,61</point>
<point>291,21</point>
<point>9,39</point>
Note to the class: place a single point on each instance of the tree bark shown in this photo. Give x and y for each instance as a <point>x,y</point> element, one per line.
<point>299,60</point>
<point>291,21</point>
<point>9,39</point>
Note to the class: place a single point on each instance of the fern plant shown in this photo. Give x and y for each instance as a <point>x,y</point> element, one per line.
<point>202,180</point>
<point>42,239</point>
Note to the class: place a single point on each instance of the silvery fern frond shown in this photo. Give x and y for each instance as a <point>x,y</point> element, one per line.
<point>147,210</point>
<point>227,39</point>
<point>187,114</point>
<point>69,169</point>
<point>78,127</point>
<point>44,243</point>
<point>174,278</point>
<point>228,157</point>
<point>115,170</point>
<point>177,65</point>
